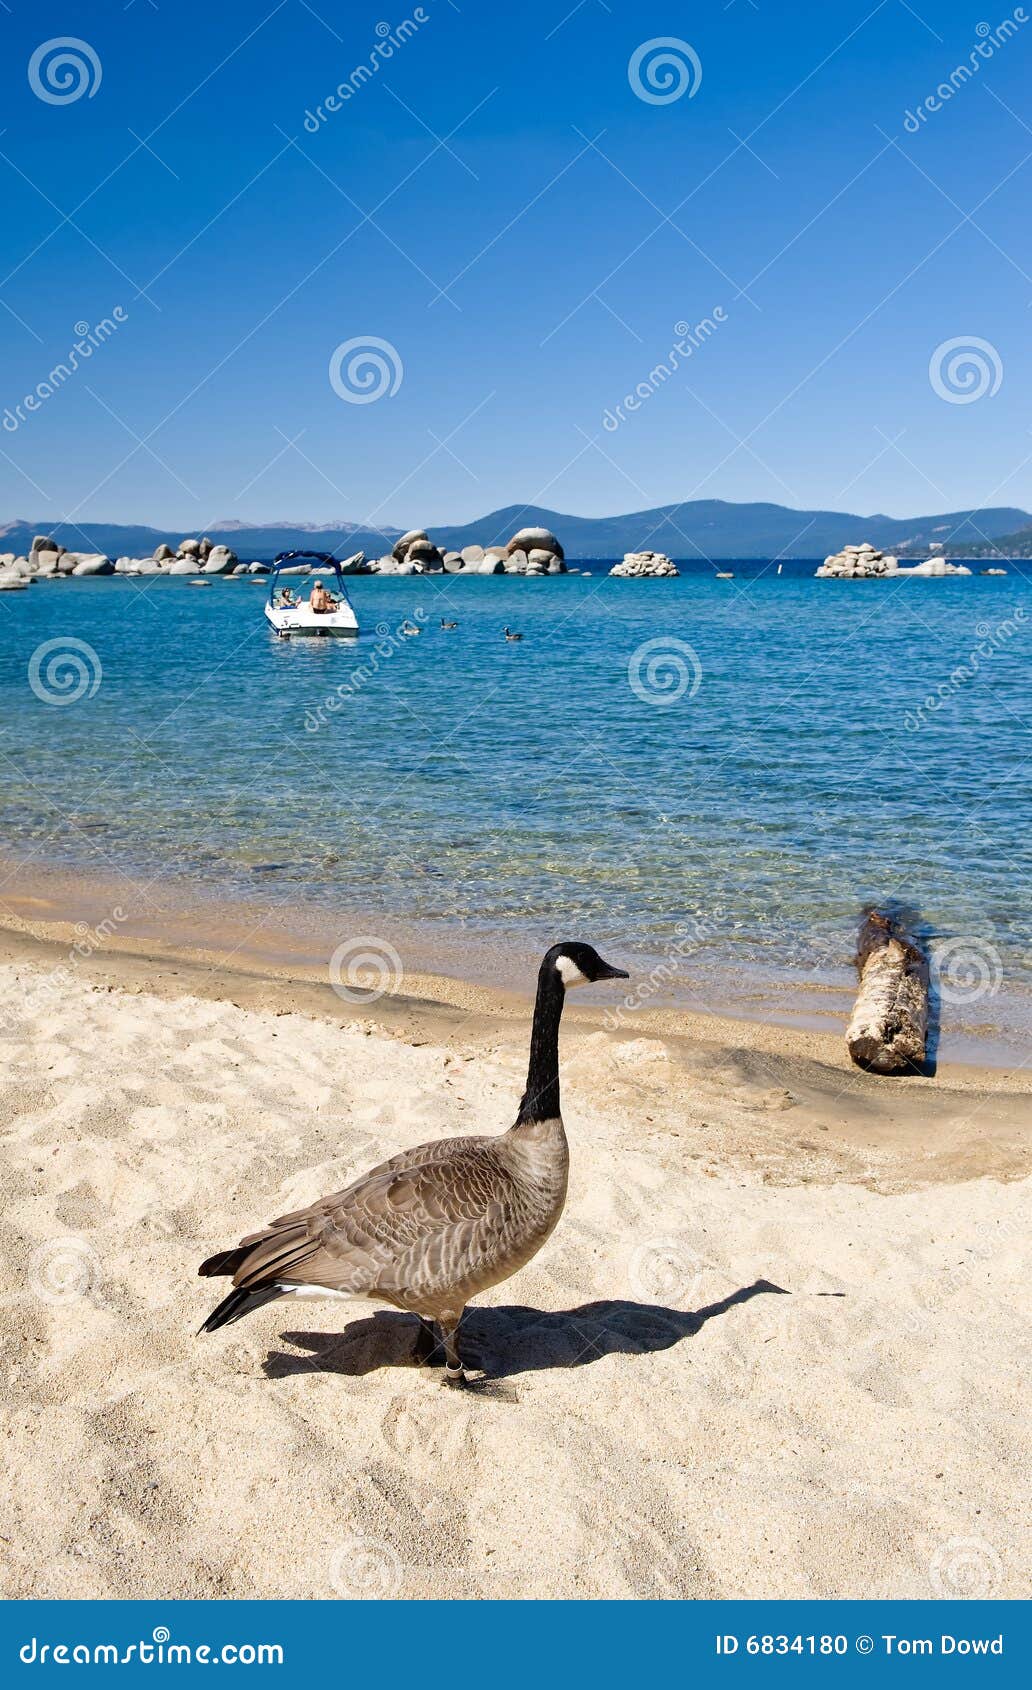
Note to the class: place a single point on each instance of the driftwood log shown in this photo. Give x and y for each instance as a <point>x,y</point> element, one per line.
<point>890,1017</point>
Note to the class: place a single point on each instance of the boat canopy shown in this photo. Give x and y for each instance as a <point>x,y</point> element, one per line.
<point>322,563</point>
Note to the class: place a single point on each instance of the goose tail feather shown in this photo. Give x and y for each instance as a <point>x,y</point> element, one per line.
<point>242,1301</point>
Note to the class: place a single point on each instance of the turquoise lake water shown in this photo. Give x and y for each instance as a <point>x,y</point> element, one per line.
<point>732,795</point>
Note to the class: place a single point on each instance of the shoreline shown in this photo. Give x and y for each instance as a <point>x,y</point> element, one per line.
<point>810,1116</point>
<point>176,920</point>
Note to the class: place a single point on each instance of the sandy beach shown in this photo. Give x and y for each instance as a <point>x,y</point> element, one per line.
<point>778,1345</point>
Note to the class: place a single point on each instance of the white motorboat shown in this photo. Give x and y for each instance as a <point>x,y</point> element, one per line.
<point>289,607</point>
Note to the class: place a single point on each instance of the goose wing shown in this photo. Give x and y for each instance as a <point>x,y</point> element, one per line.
<point>402,1233</point>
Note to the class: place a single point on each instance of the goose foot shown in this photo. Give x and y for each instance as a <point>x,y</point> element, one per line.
<point>428,1347</point>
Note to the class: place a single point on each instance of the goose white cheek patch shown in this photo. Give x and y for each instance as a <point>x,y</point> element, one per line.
<point>570,973</point>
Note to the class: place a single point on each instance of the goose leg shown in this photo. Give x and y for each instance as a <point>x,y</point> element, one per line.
<point>428,1344</point>
<point>454,1372</point>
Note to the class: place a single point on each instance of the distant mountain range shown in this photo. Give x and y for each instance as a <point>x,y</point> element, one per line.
<point>709,528</point>
<point>1017,545</point>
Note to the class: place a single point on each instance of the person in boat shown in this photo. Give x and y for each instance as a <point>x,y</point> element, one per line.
<point>287,601</point>
<point>321,601</point>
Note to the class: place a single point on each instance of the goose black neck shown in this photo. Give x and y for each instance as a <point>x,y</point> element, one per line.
<point>540,1101</point>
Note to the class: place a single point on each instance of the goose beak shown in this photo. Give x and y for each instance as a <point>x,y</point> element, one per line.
<point>608,972</point>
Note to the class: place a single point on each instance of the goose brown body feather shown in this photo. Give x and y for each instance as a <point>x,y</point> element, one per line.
<point>437,1224</point>
<point>425,1231</point>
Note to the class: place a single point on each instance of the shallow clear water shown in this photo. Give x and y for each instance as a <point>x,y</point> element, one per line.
<point>529,790</point>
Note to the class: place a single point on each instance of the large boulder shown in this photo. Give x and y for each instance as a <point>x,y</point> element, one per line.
<point>453,562</point>
<point>47,557</point>
<point>488,566</point>
<point>550,562</point>
<point>189,548</point>
<point>219,561</point>
<point>163,551</point>
<point>424,552</point>
<point>401,547</point>
<point>183,566</point>
<point>96,564</point>
<point>41,543</point>
<point>472,554</point>
<point>535,539</point>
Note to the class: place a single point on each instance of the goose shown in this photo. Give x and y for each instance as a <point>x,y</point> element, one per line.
<point>436,1225</point>
<point>445,624</point>
<point>509,635</point>
<point>409,630</point>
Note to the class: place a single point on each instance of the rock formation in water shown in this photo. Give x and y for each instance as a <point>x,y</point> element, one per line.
<point>645,564</point>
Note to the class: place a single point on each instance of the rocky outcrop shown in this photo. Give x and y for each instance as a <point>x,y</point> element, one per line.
<point>865,562</point>
<point>938,566</point>
<point>534,551</point>
<point>94,564</point>
<point>858,563</point>
<point>220,560</point>
<point>643,564</point>
<point>535,539</point>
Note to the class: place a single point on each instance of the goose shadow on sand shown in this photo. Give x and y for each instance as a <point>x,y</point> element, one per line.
<point>504,1342</point>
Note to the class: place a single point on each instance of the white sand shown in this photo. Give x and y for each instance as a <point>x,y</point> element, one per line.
<point>864,1434</point>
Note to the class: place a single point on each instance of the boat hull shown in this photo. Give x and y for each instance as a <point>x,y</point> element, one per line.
<point>301,622</point>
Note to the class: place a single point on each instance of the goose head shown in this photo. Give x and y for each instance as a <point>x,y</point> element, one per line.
<point>579,965</point>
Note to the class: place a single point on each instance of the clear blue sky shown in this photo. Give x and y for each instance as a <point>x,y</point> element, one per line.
<point>571,223</point>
